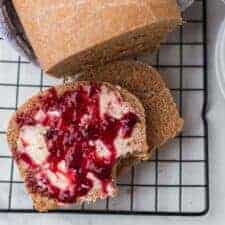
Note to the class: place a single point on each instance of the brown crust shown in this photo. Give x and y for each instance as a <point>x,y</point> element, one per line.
<point>74,35</point>
<point>42,203</point>
<point>163,121</point>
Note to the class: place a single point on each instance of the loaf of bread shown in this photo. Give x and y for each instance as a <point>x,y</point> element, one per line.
<point>163,121</point>
<point>69,141</point>
<point>70,36</point>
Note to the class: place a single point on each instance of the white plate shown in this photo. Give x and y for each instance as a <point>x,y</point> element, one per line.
<point>220,58</point>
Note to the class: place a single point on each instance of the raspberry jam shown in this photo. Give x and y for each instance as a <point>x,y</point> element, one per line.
<point>79,141</point>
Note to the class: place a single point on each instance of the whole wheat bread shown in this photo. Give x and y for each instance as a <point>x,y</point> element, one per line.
<point>163,121</point>
<point>44,203</point>
<point>70,36</point>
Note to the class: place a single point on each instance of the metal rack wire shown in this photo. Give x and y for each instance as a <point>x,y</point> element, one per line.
<point>174,181</point>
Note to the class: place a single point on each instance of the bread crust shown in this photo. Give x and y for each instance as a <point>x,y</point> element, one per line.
<point>43,203</point>
<point>70,36</point>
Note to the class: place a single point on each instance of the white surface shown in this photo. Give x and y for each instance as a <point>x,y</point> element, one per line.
<point>216,112</point>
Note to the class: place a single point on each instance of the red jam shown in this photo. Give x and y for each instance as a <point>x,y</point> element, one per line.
<point>67,138</point>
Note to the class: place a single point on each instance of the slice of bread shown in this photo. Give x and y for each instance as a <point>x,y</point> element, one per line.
<point>70,36</point>
<point>43,111</point>
<point>163,121</point>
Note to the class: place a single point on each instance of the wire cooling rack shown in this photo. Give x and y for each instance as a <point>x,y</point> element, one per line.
<point>175,180</point>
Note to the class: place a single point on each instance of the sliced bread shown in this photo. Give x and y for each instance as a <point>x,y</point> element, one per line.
<point>163,121</point>
<point>69,141</point>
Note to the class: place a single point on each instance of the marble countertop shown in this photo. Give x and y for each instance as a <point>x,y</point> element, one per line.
<point>216,119</point>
